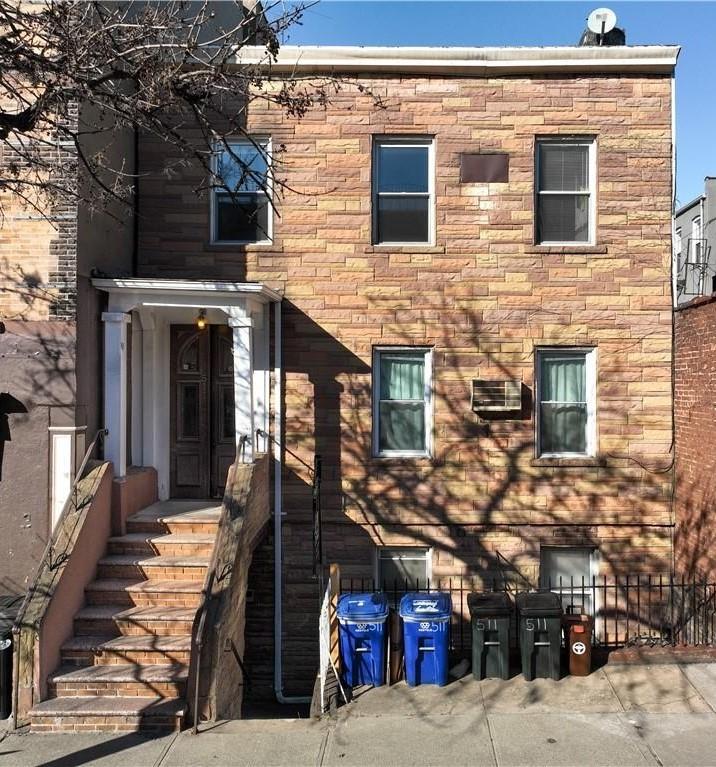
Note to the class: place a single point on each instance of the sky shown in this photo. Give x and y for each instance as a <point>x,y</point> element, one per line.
<point>691,25</point>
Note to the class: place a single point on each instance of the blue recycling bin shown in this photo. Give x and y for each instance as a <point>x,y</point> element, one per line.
<point>426,637</point>
<point>363,638</point>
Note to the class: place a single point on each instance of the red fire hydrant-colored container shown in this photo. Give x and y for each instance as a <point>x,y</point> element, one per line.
<point>578,639</point>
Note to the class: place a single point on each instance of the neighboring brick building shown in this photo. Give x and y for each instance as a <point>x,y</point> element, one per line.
<point>480,298</point>
<point>695,421</point>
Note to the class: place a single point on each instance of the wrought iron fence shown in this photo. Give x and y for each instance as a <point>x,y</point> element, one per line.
<point>639,609</point>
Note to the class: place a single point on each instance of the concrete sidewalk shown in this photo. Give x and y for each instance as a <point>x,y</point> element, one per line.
<point>620,715</point>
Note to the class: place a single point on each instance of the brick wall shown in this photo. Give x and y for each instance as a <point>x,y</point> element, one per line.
<point>695,416</point>
<point>483,298</point>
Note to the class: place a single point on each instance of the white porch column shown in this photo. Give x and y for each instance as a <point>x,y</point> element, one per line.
<point>261,376</point>
<point>115,389</point>
<point>242,328</point>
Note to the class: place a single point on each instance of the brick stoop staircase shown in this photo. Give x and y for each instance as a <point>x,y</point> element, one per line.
<point>126,666</point>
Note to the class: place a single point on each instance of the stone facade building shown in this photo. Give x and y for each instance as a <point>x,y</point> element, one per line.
<point>496,283</point>
<point>459,298</point>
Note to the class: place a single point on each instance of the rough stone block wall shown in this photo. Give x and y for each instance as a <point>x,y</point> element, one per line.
<point>484,297</point>
<point>695,416</point>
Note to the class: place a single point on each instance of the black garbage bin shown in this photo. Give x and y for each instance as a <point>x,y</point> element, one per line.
<point>540,624</point>
<point>490,617</point>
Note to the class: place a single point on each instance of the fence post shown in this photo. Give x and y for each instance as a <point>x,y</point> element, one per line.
<point>335,582</point>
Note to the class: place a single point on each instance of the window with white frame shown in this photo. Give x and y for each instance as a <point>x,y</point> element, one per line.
<point>403,566</point>
<point>696,241</point>
<point>568,571</point>
<point>403,191</point>
<point>677,241</point>
<point>401,402</point>
<point>565,198</point>
<point>240,206</point>
<point>566,402</point>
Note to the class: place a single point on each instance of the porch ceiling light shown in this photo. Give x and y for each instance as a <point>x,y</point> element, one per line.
<point>201,319</point>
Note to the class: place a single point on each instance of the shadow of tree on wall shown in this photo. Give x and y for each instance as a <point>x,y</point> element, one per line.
<point>483,504</point>
<point>37,370</point>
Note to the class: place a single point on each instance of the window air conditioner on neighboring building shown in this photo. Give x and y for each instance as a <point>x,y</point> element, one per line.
<point>496,396</point>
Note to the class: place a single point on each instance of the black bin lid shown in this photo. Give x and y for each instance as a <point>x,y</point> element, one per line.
<point>539,604</point>
<point>489,605</point>
<point>9,608</point>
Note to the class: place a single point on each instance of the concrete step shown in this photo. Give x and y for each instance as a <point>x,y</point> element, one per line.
<point>113,620</point>
<point>168,544</point>
<point>115,714</point>
<point>143,649</point>
<point>176,517</point>
<point>122,680</point>
<point>132,566</point>
<point>125,592</point>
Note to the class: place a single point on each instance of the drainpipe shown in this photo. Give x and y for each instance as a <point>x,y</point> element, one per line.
<point>277,521</point>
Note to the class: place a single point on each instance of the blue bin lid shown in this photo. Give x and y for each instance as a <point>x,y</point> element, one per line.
<point>367,606</point>
<point>433,604</point>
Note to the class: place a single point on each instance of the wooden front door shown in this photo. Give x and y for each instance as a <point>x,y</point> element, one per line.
<point>203,442</point>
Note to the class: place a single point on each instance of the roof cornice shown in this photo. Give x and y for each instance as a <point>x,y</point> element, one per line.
<point>477,62</point>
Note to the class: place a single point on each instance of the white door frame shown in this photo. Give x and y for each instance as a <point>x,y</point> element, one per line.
<point>146,309</point>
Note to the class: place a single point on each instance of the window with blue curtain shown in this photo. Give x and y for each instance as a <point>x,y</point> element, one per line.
<point>402,402</point>
<point>564,407</point>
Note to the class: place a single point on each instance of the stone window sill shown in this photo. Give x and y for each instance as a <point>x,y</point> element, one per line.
<point>245,247</point>
<point>587,461</point>
<point>388,248</point>
<point>567,249</point>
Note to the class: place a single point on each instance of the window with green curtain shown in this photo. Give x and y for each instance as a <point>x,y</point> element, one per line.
<point>401,401</point>
<point>564,411</point>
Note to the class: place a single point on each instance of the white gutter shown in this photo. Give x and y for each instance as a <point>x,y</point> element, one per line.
<point>465,61</point>
<point>277,520</point>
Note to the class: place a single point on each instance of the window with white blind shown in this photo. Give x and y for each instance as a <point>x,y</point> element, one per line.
<point>403,191</point>
<point>565,191</point>
<point>240,206</point>
<point>566,402</point>
<point>568,572</point>
<point>677,241</point>
<point>401,402</point>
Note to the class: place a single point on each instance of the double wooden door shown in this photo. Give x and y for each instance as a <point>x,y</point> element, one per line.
<point>203,440</point>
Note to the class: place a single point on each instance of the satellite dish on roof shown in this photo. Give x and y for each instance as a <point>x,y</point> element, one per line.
<point>601,20</point>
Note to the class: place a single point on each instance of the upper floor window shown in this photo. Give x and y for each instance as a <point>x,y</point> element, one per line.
<point>697,249</point>
<point>403,191</point>
<point>401,402</point>
<point>240,206</point>
<point>566,402</point>
<point>677,241</point>
<point>565,199</point>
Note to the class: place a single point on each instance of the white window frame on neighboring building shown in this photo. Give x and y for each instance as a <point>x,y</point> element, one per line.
<point>591,193</point>
<point>265,143</point>
<point>696,257</point>
<point>403,142</point>
<point>677,241</point>
<point>427,353</point>
<point>590,369</point>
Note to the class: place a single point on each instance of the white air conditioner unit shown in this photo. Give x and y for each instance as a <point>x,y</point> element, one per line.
<point>496,396</point>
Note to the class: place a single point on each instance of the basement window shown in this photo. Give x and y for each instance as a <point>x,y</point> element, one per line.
<point>568,571</point>
<point>402,568</point>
